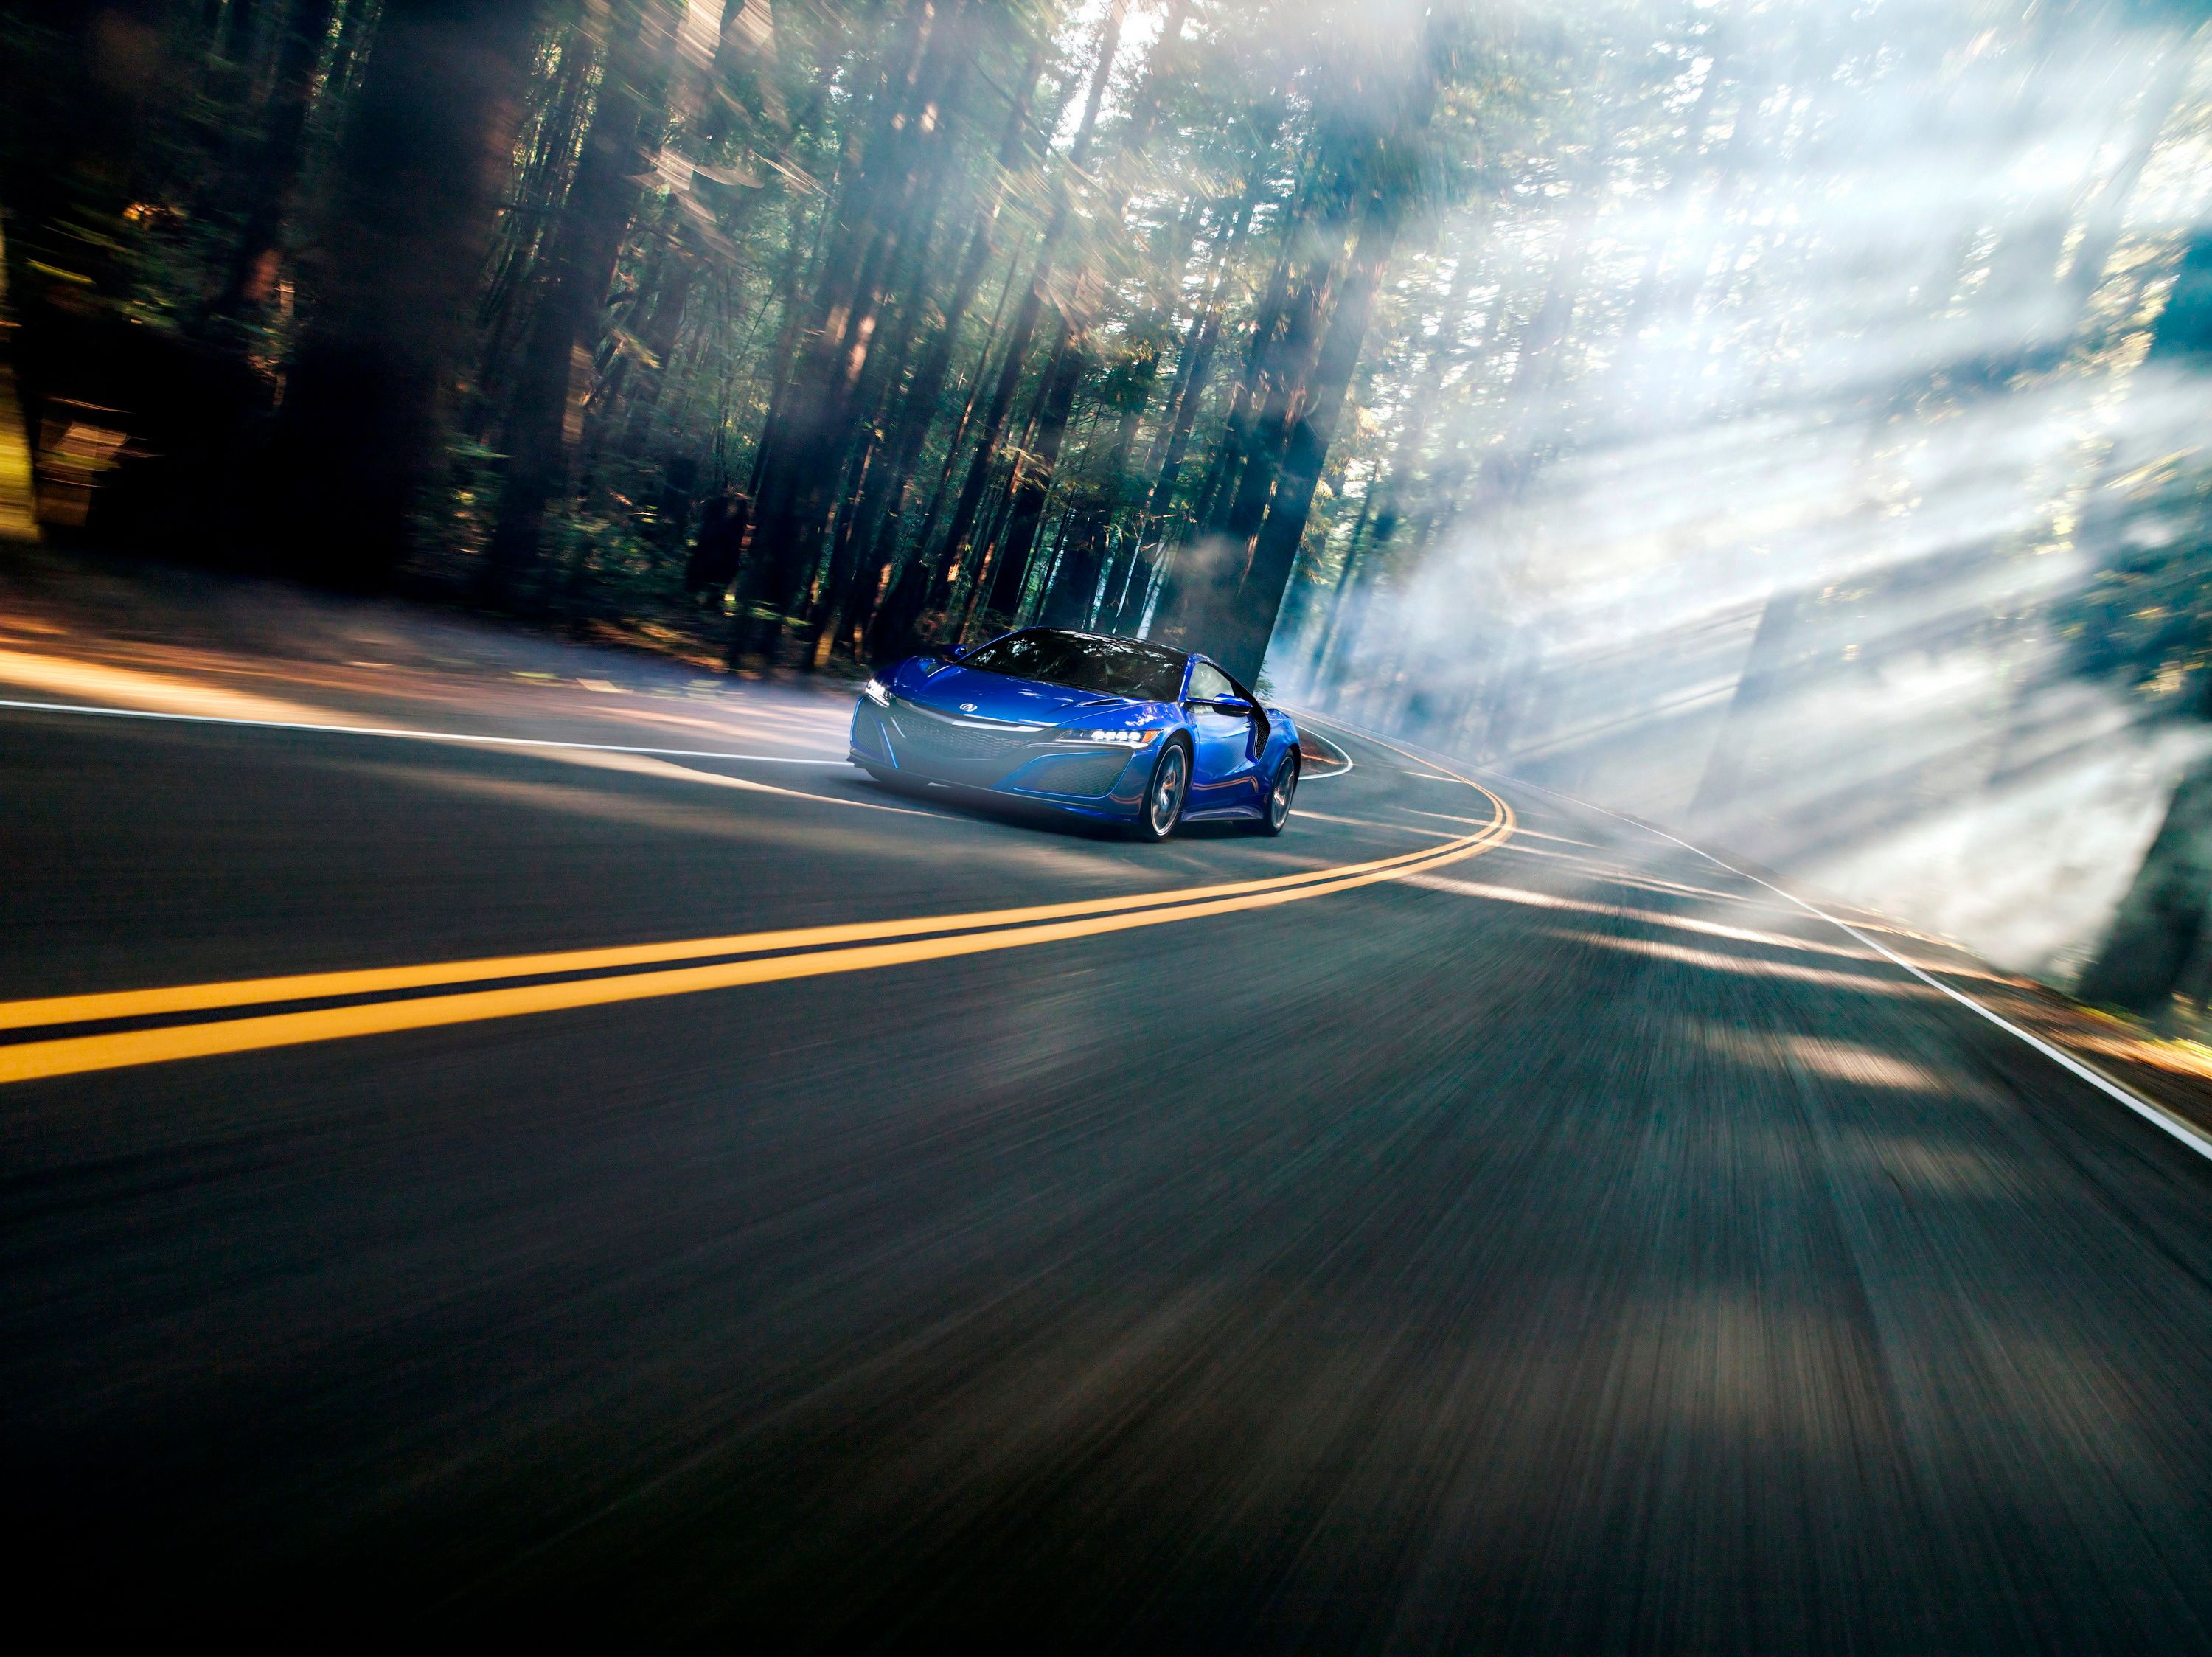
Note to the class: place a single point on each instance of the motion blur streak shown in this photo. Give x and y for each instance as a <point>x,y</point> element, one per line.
<point>1404,1270</point>
<point>147,691</point>
<point>71,1056</point>
<point>1871,984</point>
<point>1649,917</point>
<point>471,738</point>
<point>201,997</point>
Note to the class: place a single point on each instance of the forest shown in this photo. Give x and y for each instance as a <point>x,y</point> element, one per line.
<point>814,331</point>
<point>1776,417</point>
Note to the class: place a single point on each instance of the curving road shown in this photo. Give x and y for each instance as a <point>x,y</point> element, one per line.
<point>671,1196</point>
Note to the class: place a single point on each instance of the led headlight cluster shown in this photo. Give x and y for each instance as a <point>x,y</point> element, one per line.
<point>1112,739</point>
<point>877,692</point>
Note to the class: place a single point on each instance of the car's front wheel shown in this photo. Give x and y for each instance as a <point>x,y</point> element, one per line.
<point>1277,810</point>
<point>1164,794</point>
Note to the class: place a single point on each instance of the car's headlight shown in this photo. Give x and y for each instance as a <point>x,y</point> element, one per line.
<point>877,692</point>
<point>1113,738</point>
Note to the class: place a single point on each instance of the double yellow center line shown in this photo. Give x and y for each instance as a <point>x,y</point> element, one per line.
<point>599,977</point>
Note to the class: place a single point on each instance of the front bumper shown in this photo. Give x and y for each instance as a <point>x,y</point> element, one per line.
<point>1026,761</point>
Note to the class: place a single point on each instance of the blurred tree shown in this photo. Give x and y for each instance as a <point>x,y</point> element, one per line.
<point>2160,926</point>
<point>398,250</point>
<point>545,408</point>
<point>273,172</point>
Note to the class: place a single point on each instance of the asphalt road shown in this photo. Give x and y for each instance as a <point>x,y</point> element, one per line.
<point>1563,1246</point>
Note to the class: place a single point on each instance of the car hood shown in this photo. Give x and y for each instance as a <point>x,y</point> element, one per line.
<point>963,693</point>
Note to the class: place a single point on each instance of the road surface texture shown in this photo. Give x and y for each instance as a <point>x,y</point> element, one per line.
<point>1546,1240</point>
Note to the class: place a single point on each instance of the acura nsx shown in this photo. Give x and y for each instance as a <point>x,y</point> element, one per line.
<point>1118,730</point>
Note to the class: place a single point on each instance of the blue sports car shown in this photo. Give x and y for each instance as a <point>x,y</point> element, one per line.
<point>1111,728</point>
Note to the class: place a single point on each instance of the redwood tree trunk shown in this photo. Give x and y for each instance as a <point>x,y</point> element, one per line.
<point>958,537</point>
<point>961,529</point>
<point>1210,569</point>
<point>276,166</point>
<point>804,444</point>
<point>882,504</point>
<point>417,184</point>
<point>1055,406</point>
<point>542,426</point>
<point>1250,621</point>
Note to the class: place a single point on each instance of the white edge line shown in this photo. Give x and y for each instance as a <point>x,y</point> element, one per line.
<point>417,736</point>
<point>1321,777</point>
<point>2151,1111</point>
<point>2148,1109</point>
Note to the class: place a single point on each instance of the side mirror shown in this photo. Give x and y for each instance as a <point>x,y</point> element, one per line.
<point>1235,705</point>
<point>955,653</point>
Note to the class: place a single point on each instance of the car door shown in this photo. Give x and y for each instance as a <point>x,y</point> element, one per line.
<point>1227,761</point>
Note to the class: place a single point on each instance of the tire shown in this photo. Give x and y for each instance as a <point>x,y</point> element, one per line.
<point>1166,794</point>
<point>1275,813</point>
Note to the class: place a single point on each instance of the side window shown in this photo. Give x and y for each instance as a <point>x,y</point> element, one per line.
<point>1208,682</point>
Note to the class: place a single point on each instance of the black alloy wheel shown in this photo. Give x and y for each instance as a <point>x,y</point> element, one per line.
<point>1280,796</point>
<point>1165,794</point>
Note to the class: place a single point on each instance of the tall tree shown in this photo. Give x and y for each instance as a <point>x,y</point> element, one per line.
<point>880,511</point>
<point>803,443</point>
<point>274,169</point>
<point>398,249</point>
<point>544,419</point>
<point>1305,349</point>
<point>1004,578</point>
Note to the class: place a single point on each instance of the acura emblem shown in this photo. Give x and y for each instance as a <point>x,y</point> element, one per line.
<point>967,707</point>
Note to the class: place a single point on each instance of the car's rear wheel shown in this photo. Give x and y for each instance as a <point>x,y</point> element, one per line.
<point>1161,807</point>
<point>1277,811</point>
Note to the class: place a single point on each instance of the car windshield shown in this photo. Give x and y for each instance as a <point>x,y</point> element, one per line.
<point>1082,662</point>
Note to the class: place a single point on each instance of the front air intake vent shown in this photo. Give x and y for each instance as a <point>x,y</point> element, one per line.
<point>1086,774</point>
<point>924,737</point>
